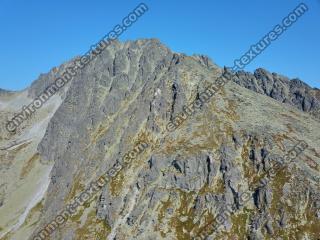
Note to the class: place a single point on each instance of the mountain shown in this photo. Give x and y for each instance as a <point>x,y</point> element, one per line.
<point>242,163</point>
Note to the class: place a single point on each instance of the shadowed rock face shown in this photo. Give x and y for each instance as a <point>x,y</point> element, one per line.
<point>182,181</point>
<point>293,92</point>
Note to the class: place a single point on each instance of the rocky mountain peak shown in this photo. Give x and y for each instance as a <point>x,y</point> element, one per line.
<point>104,138</point>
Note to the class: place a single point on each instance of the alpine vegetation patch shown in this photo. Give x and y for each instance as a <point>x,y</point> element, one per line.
<point>70,72</point>
<point>225,212</point>
<point>189,110</point>
<point>229,73</point>
<point>282,161</point>
<point>87,195</point>
<point>229,209</point>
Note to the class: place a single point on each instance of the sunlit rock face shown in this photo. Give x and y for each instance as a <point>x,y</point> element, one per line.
<point>243,163</point>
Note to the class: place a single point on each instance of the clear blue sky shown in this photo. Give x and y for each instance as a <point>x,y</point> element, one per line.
<point>38,35</point>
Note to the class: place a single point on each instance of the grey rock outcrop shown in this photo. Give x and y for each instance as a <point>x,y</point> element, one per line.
<point>289,91</point>
<point>186,183</point>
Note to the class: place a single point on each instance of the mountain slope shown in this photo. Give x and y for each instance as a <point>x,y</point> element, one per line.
<point>181,181</point>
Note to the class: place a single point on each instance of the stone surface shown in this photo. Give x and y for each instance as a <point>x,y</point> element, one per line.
<point>186,183</point>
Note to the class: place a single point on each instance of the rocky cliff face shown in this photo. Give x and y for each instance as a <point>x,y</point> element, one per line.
<point>293,92</point>
<point>214,177</point>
